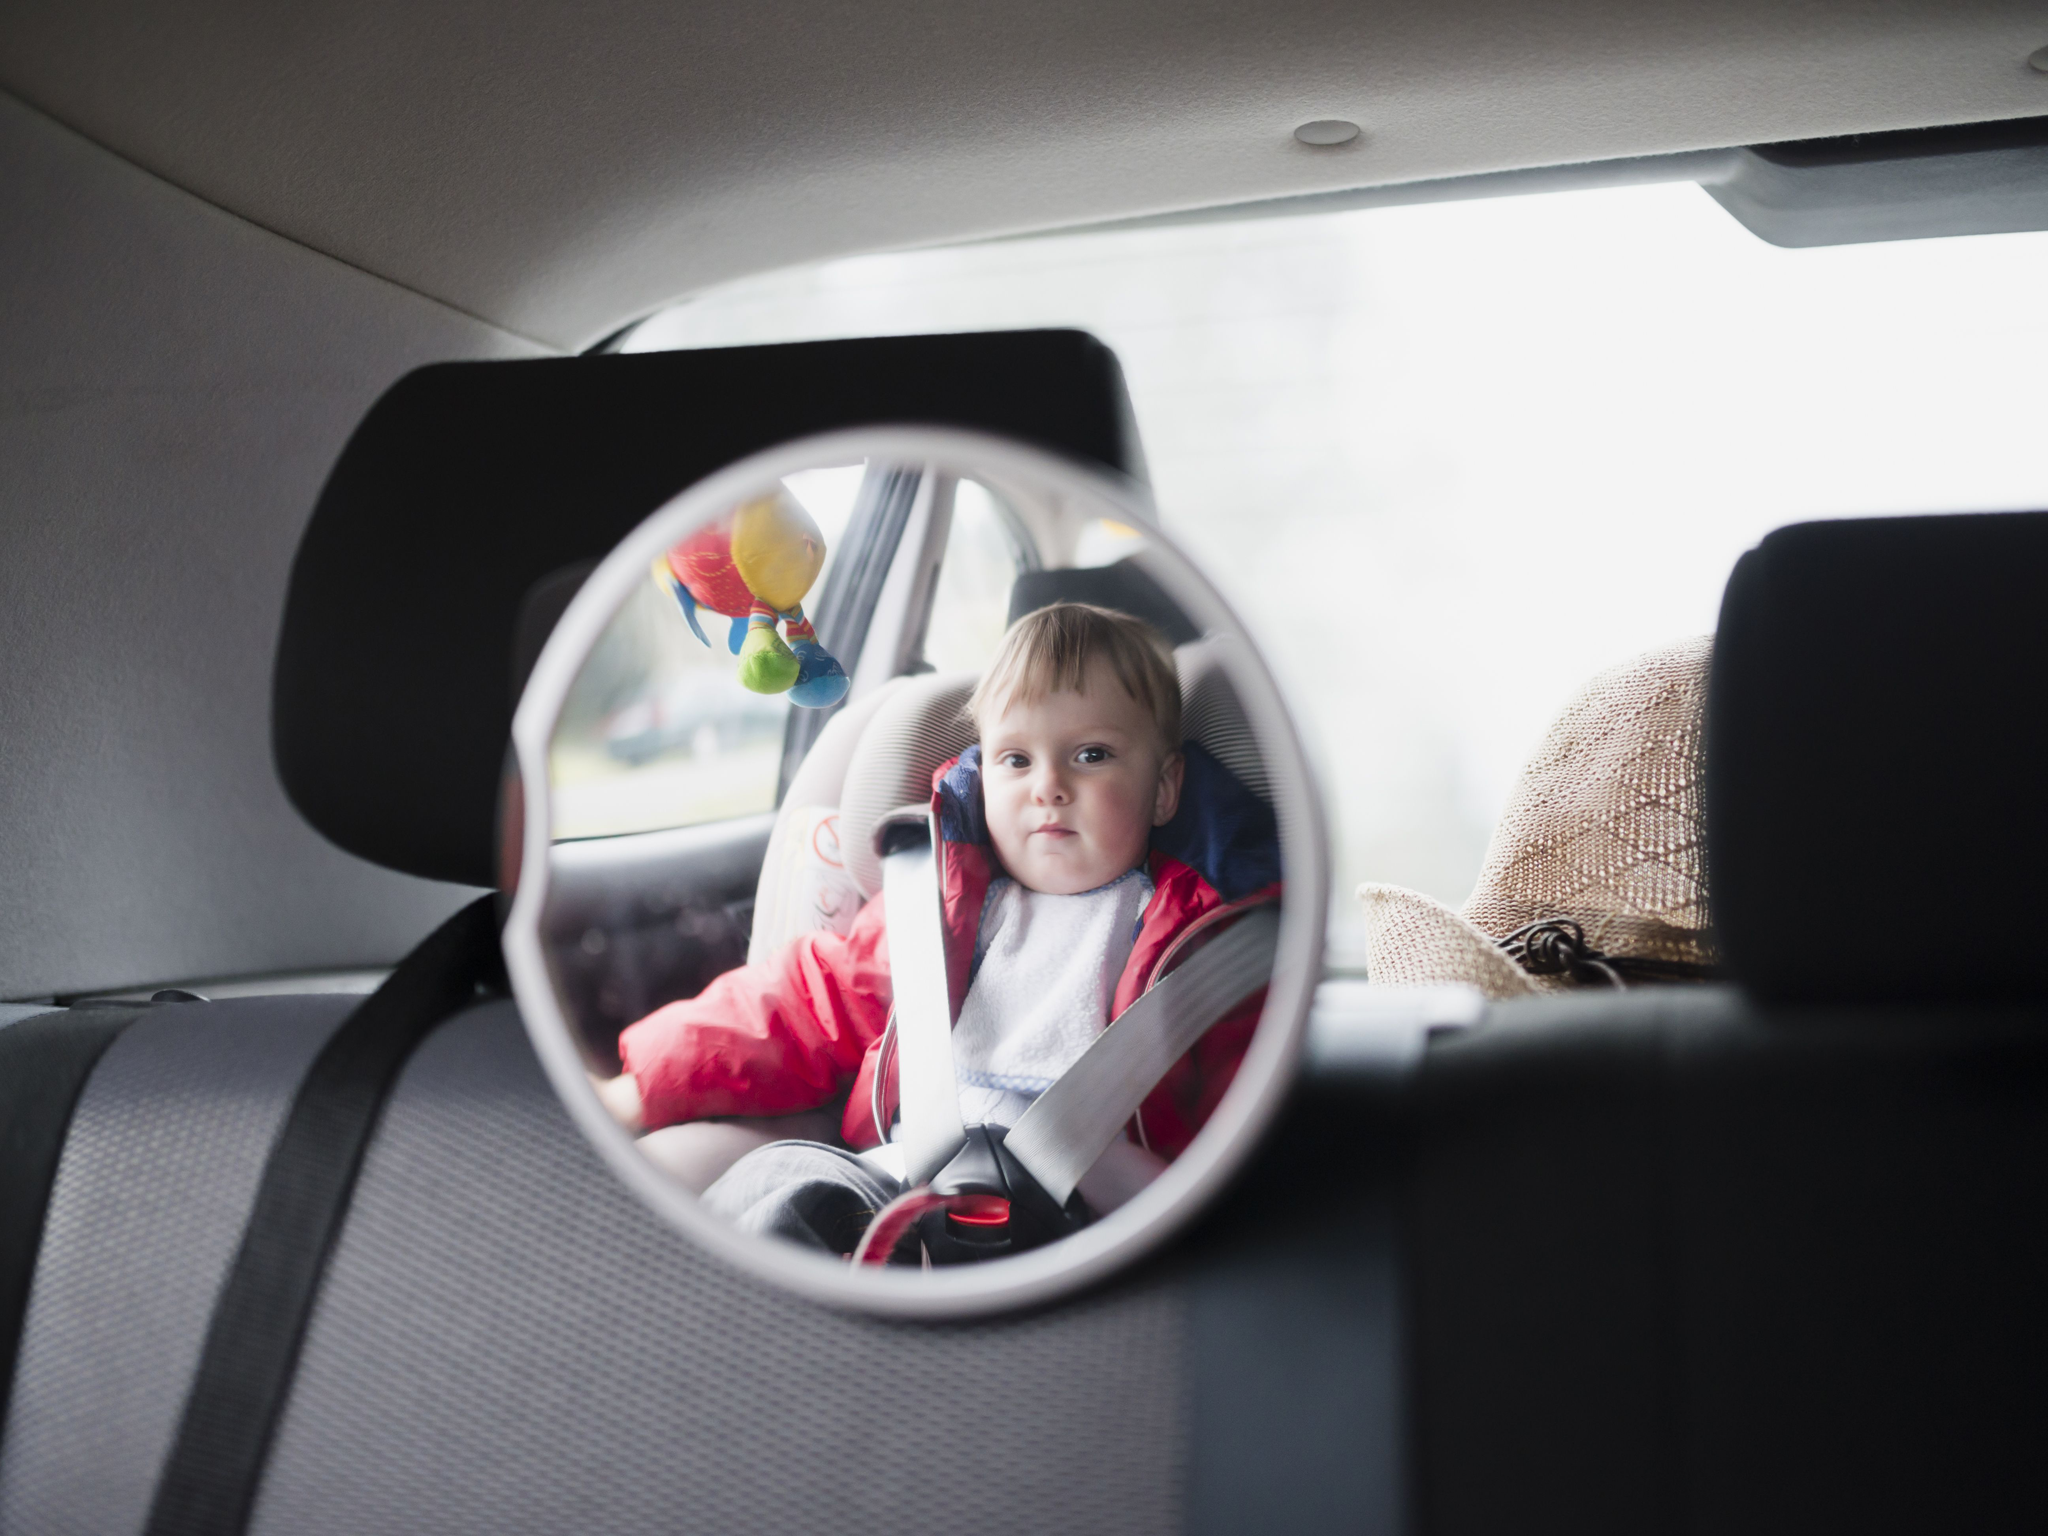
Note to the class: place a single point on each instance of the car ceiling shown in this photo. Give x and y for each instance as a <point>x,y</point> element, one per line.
<point>559,169</point>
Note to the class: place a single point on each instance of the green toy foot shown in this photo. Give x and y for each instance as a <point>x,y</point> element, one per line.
<point>767,665</point>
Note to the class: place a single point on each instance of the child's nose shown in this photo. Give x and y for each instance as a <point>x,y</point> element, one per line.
<point>1049,786</point>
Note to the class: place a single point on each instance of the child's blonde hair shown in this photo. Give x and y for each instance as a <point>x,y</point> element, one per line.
<point>1049,652</point>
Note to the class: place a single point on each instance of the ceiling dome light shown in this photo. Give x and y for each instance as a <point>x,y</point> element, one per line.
<point>2038,58</point>
<point>1328,132</point>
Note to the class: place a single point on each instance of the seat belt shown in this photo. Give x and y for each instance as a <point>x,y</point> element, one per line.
<point>1070,1125</point>
<point>209,1480</point>
<point>927,1096</point>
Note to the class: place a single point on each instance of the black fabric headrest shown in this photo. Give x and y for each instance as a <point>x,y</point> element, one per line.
<point>469,482</point>
<point>1122,587</point>
<point>1876,747</point>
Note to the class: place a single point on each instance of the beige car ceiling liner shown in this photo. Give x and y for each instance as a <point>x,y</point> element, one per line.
<point>469,483</point>
<point>561,169</point>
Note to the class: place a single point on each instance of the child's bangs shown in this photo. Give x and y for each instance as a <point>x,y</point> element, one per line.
<point>1049,652</point>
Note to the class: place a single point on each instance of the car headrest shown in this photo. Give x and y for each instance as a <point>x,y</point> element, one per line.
<point>468,483</point>
<point>1121,586</point>
<point>1212,714</point>
<point>1875,751</point>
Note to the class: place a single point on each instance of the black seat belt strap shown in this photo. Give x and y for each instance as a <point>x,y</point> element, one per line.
<point>208,1485</point>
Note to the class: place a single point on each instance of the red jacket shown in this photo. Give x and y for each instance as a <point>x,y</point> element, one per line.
<point>795,1032</point>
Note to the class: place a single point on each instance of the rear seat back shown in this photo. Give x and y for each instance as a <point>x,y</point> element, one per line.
<point>46,1054</point>
<point>159,1168</point>
<point>506,1341</point>
<point>1771,1257</point>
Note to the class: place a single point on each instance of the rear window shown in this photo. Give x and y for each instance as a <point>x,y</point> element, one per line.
<point>1450,461</point>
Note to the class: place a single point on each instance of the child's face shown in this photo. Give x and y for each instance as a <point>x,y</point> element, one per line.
<point>1074,783</point>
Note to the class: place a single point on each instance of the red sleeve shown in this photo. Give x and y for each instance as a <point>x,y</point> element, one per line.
<point>768,1039</point>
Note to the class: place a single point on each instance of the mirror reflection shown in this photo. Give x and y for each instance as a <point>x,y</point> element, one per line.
<point>915,878</point>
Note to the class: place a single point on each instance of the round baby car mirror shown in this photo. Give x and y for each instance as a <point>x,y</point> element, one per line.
<point>917,883</point>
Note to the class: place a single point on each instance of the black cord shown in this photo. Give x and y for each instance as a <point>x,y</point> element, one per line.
<point>1556,946</point>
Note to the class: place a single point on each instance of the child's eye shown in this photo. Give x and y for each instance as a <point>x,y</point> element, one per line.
<point>1014,760</point>
<point>1092,755</point>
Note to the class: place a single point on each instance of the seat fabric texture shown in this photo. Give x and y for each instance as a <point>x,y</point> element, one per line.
<point>46,1054</point>
<point>1679,1262</point>
<point>508,1341</point>
<point>158,1171</point>
<point>781,911</point>
<point>919,726</point>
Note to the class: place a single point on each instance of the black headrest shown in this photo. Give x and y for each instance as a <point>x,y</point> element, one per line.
<point>469,482</point>
<point>1122,587</point>
<point>1877,744</point>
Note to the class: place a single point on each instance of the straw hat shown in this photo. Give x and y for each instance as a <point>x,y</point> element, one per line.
<point>1596,874</point>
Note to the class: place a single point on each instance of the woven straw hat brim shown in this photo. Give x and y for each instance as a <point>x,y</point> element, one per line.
<point>1414,940</point>
<point>1604,829</point>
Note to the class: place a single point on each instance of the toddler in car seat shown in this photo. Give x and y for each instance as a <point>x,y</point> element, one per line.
<point>1078,840</point>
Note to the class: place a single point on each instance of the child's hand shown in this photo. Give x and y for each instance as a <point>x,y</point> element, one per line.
<point>621,1096</point>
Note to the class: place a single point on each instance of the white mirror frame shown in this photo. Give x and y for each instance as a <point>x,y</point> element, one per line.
<point>1269,1066</point>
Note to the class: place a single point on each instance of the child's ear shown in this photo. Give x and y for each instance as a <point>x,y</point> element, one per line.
<point>1166,800</point>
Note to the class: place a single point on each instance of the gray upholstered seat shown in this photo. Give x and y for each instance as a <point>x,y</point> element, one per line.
<point>506,1341</point>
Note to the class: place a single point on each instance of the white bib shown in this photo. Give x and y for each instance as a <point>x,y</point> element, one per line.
<point>1048,974</point>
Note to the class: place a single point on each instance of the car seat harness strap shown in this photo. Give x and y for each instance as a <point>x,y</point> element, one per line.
<point>978,1191</point>
<point>1072,1123</point>
<point>927,1094</point>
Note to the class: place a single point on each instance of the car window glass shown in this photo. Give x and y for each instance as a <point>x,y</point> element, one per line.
<point>970,599</point>
<point>1104,541</point>
<point>658,730</point>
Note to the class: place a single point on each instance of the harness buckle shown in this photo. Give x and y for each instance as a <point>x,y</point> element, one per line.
<point>994,1206</point>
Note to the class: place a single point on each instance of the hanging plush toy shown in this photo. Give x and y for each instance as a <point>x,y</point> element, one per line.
<point>754,566</point>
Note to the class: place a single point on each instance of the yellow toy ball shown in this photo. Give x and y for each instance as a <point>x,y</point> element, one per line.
<point>777,549</point>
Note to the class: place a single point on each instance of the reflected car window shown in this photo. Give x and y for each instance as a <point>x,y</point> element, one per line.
<point>658,730</point>
<point>970,599</point>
